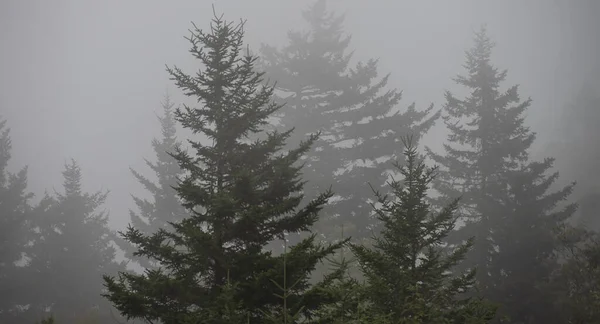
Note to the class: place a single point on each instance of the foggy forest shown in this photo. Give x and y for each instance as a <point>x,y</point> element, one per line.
<point>317,161</point>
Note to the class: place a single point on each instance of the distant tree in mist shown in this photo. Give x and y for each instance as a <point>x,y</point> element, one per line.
<point>165,206</point>
<point>576,147</point>
<point>241,194</point>
<point>71,252</point>
<point>14,230</point>
<point>578,281</point>
<point>408,272</point>
<point>507,205</point>
<point>359,120</point>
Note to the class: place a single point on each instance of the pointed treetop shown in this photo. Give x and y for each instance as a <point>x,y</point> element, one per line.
<point>478,63</point>
<point>483,45</point>
<point>319,17</point>
<point>72,178</point>
<point>167,122</point>
<point>241,195</point>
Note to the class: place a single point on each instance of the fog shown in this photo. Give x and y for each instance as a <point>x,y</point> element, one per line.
<point>84,79</point>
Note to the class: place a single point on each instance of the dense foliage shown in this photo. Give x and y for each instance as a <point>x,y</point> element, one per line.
<point>408,272</point>
<point>71,233</point>
<point>359,119</point>
<point>507,202</point>
<point>241,195</point>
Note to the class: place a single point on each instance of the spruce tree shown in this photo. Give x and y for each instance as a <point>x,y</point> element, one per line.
<point>71,253</point>
<point>506,200</point>
<point>574,147</point>
<point>165,206</point>
<point>14,229</point>
<point>359,119</point>
<point>241,195</point>
<point>408,272</point>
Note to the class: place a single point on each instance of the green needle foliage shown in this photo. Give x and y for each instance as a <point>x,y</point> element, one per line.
<point>408,273</point>
<point>241,194</point>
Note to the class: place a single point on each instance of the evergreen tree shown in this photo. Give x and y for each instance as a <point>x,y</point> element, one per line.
<point>71,253</point>
<point>359,120</point>
<point>14,233</point>
<point>506,203</point>
<point>578,280</point>
<point>578,126</point>
<point>521,270</point>
<point>408,273</point>
<point>165,206</point>
<point>240,194</point>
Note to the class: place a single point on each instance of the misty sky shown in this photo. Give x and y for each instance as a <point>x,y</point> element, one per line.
<point>83,79</point>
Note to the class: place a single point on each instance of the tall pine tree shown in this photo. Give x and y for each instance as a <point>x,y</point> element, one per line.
<point>241,195</point>
<point>506,203</point>
<point>165,206</point>
<point>359,120</point>
<point>408,272</point>
<point>14,229</point>
<point>72,251</point>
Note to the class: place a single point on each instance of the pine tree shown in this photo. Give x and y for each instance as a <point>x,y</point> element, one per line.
<point>579,124</point>
<point>506,203</point>
<point>240,194</point>
<point>165,206</point>
<point>71,253</point>
<point>359,120</point>
<point>14,230</point>
<point>408,272</point>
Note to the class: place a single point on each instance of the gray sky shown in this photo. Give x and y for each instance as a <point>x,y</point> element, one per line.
<point>83,79</point>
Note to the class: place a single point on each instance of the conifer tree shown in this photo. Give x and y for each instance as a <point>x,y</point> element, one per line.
<point>360,121</point>
<point>240,194</point>
<point>71,253</point>
<point>507,205</point>
<point>578,126</point>
<point>14,233</point>
<point>577,282</point>
<point>408,272</point>
<point>165,206</point>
